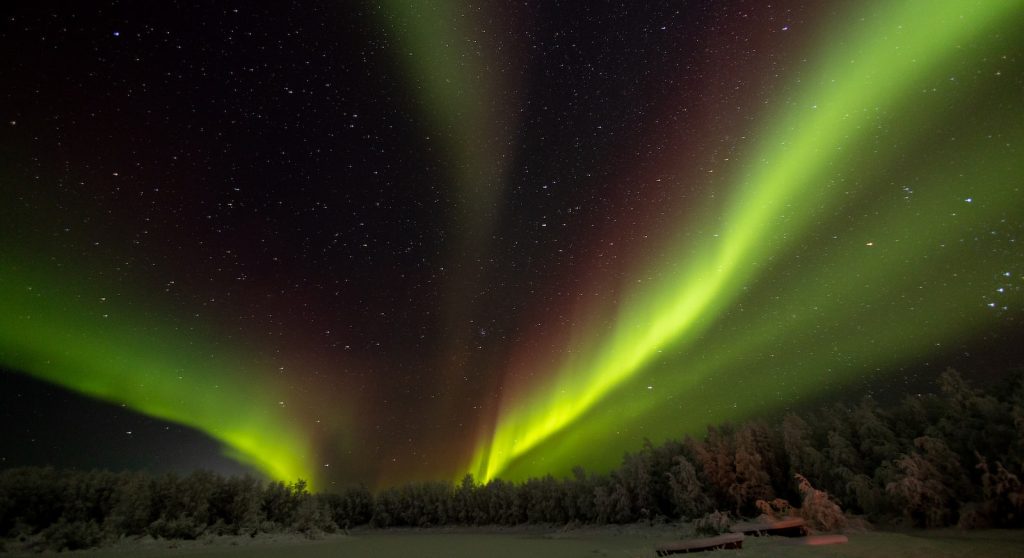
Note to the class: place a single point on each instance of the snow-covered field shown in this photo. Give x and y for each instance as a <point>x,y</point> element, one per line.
<point>624,541</point>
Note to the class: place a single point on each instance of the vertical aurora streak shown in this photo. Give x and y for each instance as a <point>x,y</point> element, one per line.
<point>457,76</point>
<point>865,90</point>
<point>461,78</point>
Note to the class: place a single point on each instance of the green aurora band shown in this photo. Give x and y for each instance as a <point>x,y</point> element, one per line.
<point>445,54</point>
<point>73,336</point>
<point>894,251</point>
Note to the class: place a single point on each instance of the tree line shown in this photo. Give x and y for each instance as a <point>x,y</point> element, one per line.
<point>954,457</point>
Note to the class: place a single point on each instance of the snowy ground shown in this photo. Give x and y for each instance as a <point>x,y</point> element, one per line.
<point>626,541</point>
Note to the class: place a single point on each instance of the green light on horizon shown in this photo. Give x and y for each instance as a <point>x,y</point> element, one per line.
<point>63,334</point>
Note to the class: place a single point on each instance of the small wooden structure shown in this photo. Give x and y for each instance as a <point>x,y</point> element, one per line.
<point>728,540</point>
<point>793,528</point>
<point>789,527</point>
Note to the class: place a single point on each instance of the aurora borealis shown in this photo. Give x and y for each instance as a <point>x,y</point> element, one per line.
<point>361,243</point>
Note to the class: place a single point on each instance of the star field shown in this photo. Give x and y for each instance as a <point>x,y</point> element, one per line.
<point>379,242</point>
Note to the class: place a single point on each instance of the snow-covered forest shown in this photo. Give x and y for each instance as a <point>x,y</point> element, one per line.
<point>954,457</point>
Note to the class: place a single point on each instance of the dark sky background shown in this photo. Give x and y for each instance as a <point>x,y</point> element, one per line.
<point>388,241</point>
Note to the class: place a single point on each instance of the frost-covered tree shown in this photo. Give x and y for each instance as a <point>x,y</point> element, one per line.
<point>928,482</point>
<point>635,475</point>
<point>817,508</point>
<point>716,456</point>
<point>1002,503</point>
<point>133,510</point>
<point>876,441</point>
<point>688,494</point>
<point>801,447</point>
<point>751,481</point>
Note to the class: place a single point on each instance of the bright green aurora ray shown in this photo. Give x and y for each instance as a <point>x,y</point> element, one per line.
<point>880,234</point>
<point>75,337</point>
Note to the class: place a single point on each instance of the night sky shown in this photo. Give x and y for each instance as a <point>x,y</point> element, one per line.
<point>403,240</point>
